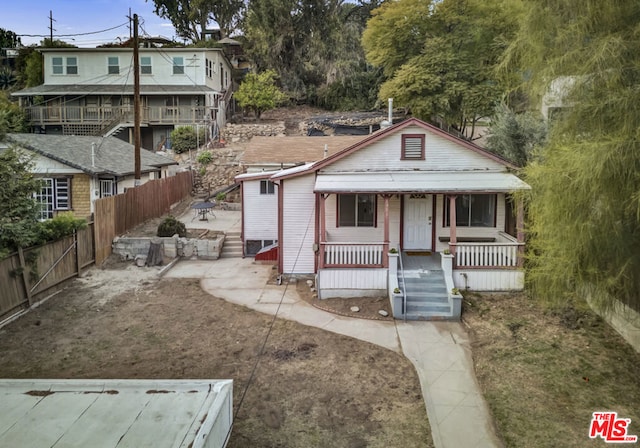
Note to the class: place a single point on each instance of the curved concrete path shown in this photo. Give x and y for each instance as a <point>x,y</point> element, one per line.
<point>439,351</point>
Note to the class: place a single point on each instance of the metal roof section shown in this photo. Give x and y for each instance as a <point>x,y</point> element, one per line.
<point>258,175</point>
<point>116,413</point>
<point>419,182</point>
<point>111,155</point>
<point>293,171</point>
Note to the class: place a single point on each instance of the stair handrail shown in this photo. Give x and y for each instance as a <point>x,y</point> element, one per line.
<point>402,290</point>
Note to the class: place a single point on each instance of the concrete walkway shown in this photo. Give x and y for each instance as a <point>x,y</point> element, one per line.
<point>439,351</point>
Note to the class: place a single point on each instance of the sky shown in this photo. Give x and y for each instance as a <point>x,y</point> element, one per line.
<point>31,17</point>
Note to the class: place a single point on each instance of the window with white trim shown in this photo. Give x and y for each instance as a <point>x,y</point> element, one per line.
<point>356,210</point>
<point>55,195</point>
<point>72,66</point>
<point>57,66</point>
<point>107,187</point>
<point>267,187</point>
<point>413,147</point>
<point>178,65</point>
<point>145,65</point>
<point>113,65</point>
<point>473,210</point>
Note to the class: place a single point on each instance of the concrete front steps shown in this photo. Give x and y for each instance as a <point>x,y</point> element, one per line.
<point>427,297</point>
<point>232,247</point>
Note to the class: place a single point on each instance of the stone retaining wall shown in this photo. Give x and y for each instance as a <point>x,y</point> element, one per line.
<point>135,248</point>
<point>234,133</point>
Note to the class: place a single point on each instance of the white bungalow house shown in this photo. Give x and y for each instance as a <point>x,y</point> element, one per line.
<point>444,204</point>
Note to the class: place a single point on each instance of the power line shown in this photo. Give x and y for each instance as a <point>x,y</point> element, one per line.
<point>73,35</point>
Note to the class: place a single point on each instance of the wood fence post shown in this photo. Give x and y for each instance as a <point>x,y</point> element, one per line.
<point>25,275</point>
<point>75,242</point>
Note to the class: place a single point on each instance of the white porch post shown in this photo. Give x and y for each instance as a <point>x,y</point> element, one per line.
<point>323,226</point>
<point>520,231</point>
<point>452,223</point>
<point>385,249</point>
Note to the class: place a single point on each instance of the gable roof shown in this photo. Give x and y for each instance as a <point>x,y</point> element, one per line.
<point>391,130</point>
<point>293,150</point>
<point>111,156</point>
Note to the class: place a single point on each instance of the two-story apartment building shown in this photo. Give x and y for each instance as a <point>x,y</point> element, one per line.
<point>91,91</point>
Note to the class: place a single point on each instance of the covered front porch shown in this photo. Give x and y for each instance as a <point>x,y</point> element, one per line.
<point>447,238</point>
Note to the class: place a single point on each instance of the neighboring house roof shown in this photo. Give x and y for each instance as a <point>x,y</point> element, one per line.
<point>113,89</point>
<point>111,156</point>
<point>293,150</point>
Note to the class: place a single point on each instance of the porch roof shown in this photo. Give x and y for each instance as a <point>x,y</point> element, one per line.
<point>419,182</point>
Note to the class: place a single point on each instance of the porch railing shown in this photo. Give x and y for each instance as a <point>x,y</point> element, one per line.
<point>102,114</point>
<point>353,254</point>
<point>487,255</point>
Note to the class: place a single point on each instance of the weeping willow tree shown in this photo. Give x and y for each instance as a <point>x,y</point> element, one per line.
<point>584,207</point>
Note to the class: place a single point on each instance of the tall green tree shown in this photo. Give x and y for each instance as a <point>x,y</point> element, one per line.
<point>515,136</point>
<point>259,92</point>
<point>309,43</point>
<point>12,117</point>
<point>191,17</point>
<point>9,39</point>
<point>585,200</point>
<point>18,209</point>
<point>440,56</point>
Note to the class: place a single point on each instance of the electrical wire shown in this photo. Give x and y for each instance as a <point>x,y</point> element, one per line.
<point>73,35</point>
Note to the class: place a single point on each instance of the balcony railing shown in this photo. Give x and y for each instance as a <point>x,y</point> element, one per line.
<point>353,254</point>
<point>99,115</point>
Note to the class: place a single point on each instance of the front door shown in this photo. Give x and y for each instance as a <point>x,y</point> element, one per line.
<point>418,209</point>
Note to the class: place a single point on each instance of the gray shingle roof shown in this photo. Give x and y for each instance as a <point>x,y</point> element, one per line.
<point>112,155</point>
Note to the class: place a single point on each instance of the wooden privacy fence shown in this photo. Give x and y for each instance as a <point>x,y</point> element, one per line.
<point>25,276</point>
<point>115,215</point>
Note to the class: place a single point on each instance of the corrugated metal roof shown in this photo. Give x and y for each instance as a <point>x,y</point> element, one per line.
<point>420,182</point>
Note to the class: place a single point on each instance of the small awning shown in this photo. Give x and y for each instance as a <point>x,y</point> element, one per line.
<point>419,182</point>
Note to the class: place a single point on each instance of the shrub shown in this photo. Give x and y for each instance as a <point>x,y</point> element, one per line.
<point>170,226</point>
<point>221,197</point>
<point>183,138</point>
<point>60,226</point>
<point>204,158</point>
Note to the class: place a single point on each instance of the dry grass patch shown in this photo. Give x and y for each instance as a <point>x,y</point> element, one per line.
<point>545,372</point>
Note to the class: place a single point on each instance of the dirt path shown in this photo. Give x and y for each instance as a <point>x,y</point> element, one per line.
<point>310,389</point>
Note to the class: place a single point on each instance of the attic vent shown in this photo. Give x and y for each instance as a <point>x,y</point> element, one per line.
<point>413,147</point>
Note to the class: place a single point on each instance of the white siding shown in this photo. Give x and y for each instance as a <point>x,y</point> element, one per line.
<point>440,155</point>
<point>489,279</point>
<point>298,226</point>
<point>45,165</point>
<point>364,234</point>
<point>260,212</point>
<point>443,231</point>
<point>352,282</point>
<point>93,66</point>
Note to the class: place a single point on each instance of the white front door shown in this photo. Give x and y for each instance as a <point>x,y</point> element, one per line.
<point>418,209</point>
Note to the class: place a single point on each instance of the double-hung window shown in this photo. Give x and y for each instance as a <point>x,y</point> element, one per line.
<point>267,187</point>
<point>356,210</point>
<point>107,187</point>
<point>72,66</point>
<point>473,210</point>
<point>57,66</point>
<point>178,65</point>
<point>145,65</point>
<point>55,195</point>
<point>113,65</point>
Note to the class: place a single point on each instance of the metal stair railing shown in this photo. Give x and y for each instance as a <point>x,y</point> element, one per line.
<point>403,290</point>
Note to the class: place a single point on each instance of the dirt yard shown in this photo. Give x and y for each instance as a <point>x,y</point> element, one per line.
<point>310,389</point>
<point>544,372</point>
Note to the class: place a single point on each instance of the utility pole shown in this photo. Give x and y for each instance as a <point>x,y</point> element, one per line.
<point>136,101</point>
<point>51,30</point>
